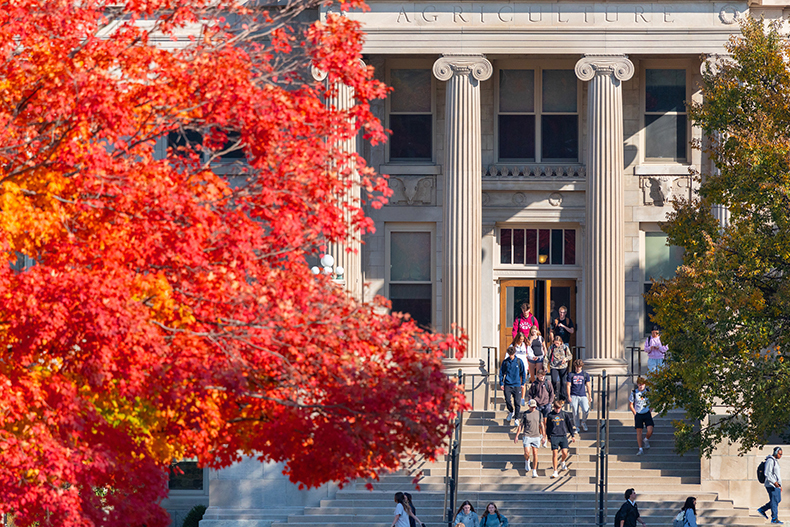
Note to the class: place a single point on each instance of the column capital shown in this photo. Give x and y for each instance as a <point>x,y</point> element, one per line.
<point>606,64</point>
<point>476,65</point>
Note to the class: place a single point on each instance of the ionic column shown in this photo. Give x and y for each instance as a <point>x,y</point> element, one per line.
<point>463,209</point>
<point>604,272</point>
<point>347,254</point>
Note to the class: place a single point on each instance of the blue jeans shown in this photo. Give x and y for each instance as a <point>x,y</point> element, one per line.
<point>654,364</point>
<point>774,497</point>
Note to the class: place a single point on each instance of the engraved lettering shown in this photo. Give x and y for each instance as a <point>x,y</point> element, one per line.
<point>502,10</point>
<point>540,15</point>
<point>589,14</point>
<point>616,14</point>
<point>425,15</point>
<point>728,14</point>
<point>404,15</point>
<point>559,15</point>
<point>481,15</point>
<point>639,12</point>
<point>667,15</point>
<point>458,12</point>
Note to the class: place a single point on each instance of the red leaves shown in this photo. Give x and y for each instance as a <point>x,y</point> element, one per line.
<point>171,312</point>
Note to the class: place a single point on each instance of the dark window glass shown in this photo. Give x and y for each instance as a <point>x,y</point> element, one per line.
<point>517,137</point>
<point>560,137</point>
<point>543,245</point>
<point>414,299</point>
<point>517,91</point>
<point>411,91</point>
<point>556,246</point>
<point>518,246</point>
<point>410,257</point>
<point>559,91</point>
<point>570,247</point>
<point>532,246</point>
<point>649,311</point>
<point>185,475</point>
<point>232,148</point>
<point>412,136</point>
<point>665,136</point>
<point>665,90</point>
<point>181,140</point>
<point>505,245</point>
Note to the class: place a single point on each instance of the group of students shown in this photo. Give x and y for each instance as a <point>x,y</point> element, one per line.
<point>628,514</point>
<point>467,517</point>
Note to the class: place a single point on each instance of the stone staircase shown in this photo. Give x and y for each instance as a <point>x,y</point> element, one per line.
<point>492,470</point>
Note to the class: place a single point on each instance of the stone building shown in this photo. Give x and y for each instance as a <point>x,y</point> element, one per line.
<point>536,147</point>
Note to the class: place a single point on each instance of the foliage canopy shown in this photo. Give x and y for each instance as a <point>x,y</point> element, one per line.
<point>726,314</point>
<point>170,312</point>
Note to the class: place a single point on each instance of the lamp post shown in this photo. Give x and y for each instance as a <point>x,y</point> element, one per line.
<point>336,273</point>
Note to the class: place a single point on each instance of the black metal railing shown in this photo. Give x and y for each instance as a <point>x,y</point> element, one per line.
<point>453,459</point>
<point>602,448</point>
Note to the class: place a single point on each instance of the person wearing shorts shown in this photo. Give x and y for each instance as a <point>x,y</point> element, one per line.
<point>640,407</point>
<point>532,426</point>
<point>558,425</point>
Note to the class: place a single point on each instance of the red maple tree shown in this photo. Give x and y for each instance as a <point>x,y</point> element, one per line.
<point>169,311</point>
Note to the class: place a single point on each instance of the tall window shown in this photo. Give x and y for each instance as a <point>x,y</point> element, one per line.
<point>665,115</point>
<point>411,274</point>
<point>542,124</point>
<point>537,246</point>
<point>661,262</point>
<point>411,115</point>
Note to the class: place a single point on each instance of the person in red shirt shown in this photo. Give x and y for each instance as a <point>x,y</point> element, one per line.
<point>524,321</point>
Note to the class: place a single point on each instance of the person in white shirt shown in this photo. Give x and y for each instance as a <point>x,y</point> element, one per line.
<point>773,485</point>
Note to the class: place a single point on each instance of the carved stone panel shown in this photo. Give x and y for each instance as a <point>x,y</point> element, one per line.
<point>413,191</point>
<point>658,191</point>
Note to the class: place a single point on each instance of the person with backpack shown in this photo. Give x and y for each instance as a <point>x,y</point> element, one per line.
<point>687,517</point>
<point>558,361</point>
<point>558,426</point>
<point>536,352</point>
<point>640,407</point>
<point>542,391</point>
<point>524,321</point>
<point>466,515</point>
<point>772,480</point>
<point>628,514</point>
<point>492,518</point>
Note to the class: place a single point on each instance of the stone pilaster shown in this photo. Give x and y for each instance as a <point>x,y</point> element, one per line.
<point>463,213</point>
<point>347,254</point>
<point>604,271</point>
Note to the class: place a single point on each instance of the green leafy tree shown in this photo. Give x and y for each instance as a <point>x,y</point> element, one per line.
<point>726,314</point>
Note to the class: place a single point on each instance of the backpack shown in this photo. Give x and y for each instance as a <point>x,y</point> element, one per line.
<point>680,519</point>
<point>761,471</point>
<point>618,517</point>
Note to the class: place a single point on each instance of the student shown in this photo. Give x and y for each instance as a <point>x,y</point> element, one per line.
<point>524,321</point>
<point>542,392</point>
<point>640,407</point>
<point>655,350</point>
<point>558,362</point>
<point>402,511</point>
<point>562,326</point>
<point>579,394</point>
<point>629,512</point>
<point>558,426</point>
<point>773,485</point>
<point>688,513</point>
<point>466,516</point>
<point>533,427</point>
<point>536,352</point>
<point>520,344</point>
<point>511,378</point>
<point>492,518</point>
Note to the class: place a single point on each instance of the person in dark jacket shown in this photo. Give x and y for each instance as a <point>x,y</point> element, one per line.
<point>511,378</point>
<point>629,513</point>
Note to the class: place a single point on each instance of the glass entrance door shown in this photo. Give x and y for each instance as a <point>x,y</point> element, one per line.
<point>512,294</point>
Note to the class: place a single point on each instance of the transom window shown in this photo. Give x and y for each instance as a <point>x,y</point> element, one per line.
<point>665,115</point>
<point>538,124</point>
<point>411,115</point>
<point>538,246</point>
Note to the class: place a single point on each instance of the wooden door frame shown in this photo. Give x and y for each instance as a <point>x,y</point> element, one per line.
<point>504,283</point>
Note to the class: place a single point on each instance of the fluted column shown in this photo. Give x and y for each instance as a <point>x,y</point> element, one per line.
<point>347,254</point>
<point>463,208</point>
<point>604,271</point>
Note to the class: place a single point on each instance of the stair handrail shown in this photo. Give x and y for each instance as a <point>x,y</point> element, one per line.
<point>602,450</point>
<point>453,455</point>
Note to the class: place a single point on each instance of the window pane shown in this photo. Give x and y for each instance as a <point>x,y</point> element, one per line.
<point>411,91</point>
<point>661,260</point>
<point>181,140</point>
<point>505,241</point>
<point>560,137</point>
<point>556,246</point>
<point>543,245</point>
<point>559,91</point>
<point>532,247</point>
<point>516,90</point>
<point>516,137</point>
<point>412,136</point>
<point>649,311</point>
<point>518,246</point>
<point>185,475</point>
<point>410,256</point>
<point>665,90</point>
<point>570,247</point>
<point>414,299</point>
<point>665,137</point>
